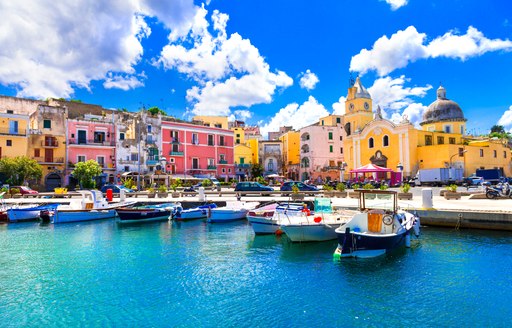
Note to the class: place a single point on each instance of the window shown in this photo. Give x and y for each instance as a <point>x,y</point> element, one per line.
<point>341,150</point>
<point>195,163</point>
<point>462,129</point>
<point>149,128</point>
<point>175,148</point>
<point>126,168</point>
<point>238,135</point>
<point>504,154</point>
<point>210,140</point>
<point>223,170</point>
<point>495,153</point>
<point>222,157</point>
<point>330,135</point>
<point>221,141</point>
<point>211,162</point>
<point>451,141</point>
<point>338,120</point>
<point>13,127</point>
<point>8,143</point>
<point>47,124</point>
<point>121,136</point>
<point>10,111</point>
<point>385,141</point>
<point>370,143</point>
<point>100,160</point>
<point>218,125</point>
<point>331,149</point>
<point>80,158</point>
<point>440,140</point>
<point>99,137</point>
<point>481,153</point>
<point>195,139</point>
<point>242,160</point>
<point>341,138</point>
<point>237,141</point>
<point>270,165</point>
<point>229,170</point>
<point>322,122</point>
<point>305,162</point>
<point>428,140</point>
<point>448,129</point>
<point>134,157</point>
<point>37,152</point>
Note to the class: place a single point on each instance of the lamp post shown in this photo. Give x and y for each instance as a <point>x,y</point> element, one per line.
<point>460,153</point>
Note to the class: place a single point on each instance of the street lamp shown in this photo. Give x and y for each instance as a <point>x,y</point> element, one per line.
<point>460,153</point>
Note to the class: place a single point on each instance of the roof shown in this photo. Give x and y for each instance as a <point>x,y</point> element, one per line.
<point>370,168</point>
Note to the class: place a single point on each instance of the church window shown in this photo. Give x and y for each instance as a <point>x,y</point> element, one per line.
<point>440,140</point>
<point>385,141</point>
<point>370,143</point>
<point>448,129</point>
<point>504,154</point>
<point>451,141</point>
<point>481,153</point>
<point>428,140</point>
<point>495,154</point>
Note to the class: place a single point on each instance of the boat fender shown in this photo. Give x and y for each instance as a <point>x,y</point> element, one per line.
<point>317,219</point>
<point>306,211</point>
<point>416,227</point>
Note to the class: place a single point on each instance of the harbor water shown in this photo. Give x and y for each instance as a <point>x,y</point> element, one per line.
<point>194,274</point>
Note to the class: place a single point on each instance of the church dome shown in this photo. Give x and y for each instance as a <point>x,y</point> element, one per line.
<point>443,109</point>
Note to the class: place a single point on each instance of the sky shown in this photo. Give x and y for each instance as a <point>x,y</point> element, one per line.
<point>266,62</point>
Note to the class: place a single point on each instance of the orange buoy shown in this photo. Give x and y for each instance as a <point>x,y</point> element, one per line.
<point>279,232</point>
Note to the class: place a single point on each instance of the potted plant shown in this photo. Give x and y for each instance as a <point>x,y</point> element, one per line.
<point>404,192</point>
<point>151,192</point>
<point>451,192</point>
<point>6,194</point>
<point>355,193</point>
<point>340,190</point>
<point>162,191</point>
<point>295,193</point>
<point>328,190</point>
<point>15,192</point>
<point>174,186</point>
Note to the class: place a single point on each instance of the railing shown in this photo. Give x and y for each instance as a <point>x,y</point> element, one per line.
<point>124,161</point>
<point>42,159</point>
<point>91,142</point>
<point>211,167</point>
<point>243,166</point>
<point>49,143</point>
<point>18,132</point>
<point>330,168</point>
<point>223,162</point>
<point>176,153</point>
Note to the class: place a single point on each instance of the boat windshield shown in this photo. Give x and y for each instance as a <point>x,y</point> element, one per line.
<point>323,205</point>
<point>378,200</point>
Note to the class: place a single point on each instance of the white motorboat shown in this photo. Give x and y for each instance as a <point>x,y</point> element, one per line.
<point>378,227</point>
<point>199,212</point>
<point>266,219</point>
<point>231,212</point>
<point>28,212</point>
<point>92,206</point>
<point>301,226</point>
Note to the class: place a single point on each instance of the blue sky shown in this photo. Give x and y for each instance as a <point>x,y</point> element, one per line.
<point>267,62</point>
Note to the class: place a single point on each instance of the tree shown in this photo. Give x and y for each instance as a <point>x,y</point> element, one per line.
<point>20,169</point>
<point>155,111</point>
<point>85,172</point>
<point>256,170</point>
<point>498,129</point>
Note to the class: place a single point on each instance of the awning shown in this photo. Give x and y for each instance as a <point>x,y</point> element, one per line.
<point>370,168</point>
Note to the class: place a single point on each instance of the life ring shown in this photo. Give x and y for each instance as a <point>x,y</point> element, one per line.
<point>387,219</point>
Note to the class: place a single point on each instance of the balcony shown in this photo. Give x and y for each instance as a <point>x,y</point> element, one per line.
<point>330,168</point>
<point>223,161</point>
<point>243,166</point>
<point>49,143</point>
<point>211,167</point>
<point>12,132</point>
<point>42,159</point>
<point>153,160</point>
<point>92,142</point>
<point>176,153</point>
<point>124,161</point>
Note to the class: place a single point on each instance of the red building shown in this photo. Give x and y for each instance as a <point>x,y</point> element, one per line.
<point>198,150</point>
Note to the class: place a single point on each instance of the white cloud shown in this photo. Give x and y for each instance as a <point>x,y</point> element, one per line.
<point>395,4</point>
<point>308,80</point>
<point>230,71</point>
<point>407,46</point>
<point>49,48</point>
<point>296,115</point>
<point>339,106</point>
<point>123,82</point>
<point>506,119</point>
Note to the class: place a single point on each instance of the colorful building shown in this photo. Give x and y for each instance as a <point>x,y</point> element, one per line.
<point>291,154</point>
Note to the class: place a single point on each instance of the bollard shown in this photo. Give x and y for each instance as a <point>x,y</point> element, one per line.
<point>122,195</point>
<point>201,194</point>
<point>110,195</point>
<point>426,197</point>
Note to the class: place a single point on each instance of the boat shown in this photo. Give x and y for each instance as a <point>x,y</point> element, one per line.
<point>199,212</point>
<point>377,228</point>
<point>92,206</point>
<point>305,226</point>
<point>146,213</point>
<point>265,220</point>
<point>233,211</point>
<point>28,212</point>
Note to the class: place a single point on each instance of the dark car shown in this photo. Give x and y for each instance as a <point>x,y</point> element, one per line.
<point>287,186</point>
<point>24,190</point>
<point>115,188</point>
<point>252,186</point>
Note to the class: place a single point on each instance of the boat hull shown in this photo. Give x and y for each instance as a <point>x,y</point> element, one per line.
<point>310,232</point>
<point>65,216</point>
<point>263,225</point>
<point>200,212</point>
<point>356,244</point>
<point>142,215</point>
<point>219,215</point>
<point>27,213</point>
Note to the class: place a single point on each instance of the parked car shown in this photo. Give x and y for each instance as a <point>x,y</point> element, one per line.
<point>473,182</point>
<point>24,190</point>
<point>215,184</point>
<point>115,188</point>
<point>252,186</point>
<point>287,186</point>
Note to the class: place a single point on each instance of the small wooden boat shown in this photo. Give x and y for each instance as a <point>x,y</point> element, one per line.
<point>231,212</point>
<point>147,213</point>
<point>200,212</point>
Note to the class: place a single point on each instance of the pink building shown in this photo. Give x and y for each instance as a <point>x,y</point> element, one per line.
<point>197,150</point>
<point>92,137</point>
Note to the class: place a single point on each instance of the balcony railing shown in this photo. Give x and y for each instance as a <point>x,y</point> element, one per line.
<point>211,167</point>
<point>124,161</point>
<point>92,142</point>
<point>49,143</point>
<point>330,168</point>
<point>18,132</point>
<point>223,162</point>
<point>176,153</point>
<point>42,159</point>
<point>243,166</point>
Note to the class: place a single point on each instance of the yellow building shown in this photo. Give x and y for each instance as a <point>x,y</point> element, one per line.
<point>212,121</point>
<point>13,135</point>
<point>291,154</point>
<point>441,143</point>
<point>246,149</point>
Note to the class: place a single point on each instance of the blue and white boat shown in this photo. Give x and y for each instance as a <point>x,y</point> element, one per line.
<point>92,206</point>
<point>147,213</point>
<point>378,227</point>
<point>200,212</point>
<point>28,212</point>
<point>231,212</point>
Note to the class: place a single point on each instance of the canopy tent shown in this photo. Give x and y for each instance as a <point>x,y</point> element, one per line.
<point>370,168</point>
<point>377,173</point>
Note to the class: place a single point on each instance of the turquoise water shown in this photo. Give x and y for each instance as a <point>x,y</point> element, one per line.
<point>194,274</point>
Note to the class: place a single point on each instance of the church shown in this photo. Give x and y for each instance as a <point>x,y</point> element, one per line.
<point>441,142</point>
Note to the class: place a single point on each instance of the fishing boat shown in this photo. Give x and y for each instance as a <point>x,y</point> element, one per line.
<point>146,213</point>
<point>304,225</point>
<point>199,212</point>
<point>378,227</point>
<point>92,206</point>
<point>266,219</point>
<point>27,212</point>
<point>231,212</point>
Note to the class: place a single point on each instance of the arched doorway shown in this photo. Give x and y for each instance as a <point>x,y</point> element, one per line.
<point>52,181</point>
